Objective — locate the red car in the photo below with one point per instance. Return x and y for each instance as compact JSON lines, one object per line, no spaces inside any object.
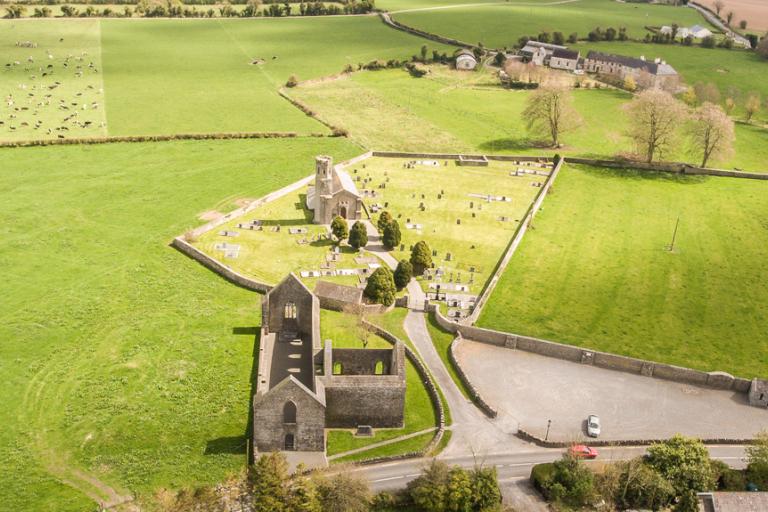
{"x":581,"y":451}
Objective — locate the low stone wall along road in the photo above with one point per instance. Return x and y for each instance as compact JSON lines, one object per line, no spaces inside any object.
{"x":533,"y":389}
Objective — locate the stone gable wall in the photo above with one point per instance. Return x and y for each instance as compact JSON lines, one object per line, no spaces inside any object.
{"x":269,"y":430}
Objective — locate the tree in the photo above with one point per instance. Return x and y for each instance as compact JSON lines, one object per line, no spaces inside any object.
{"x":707,"y":92}
{"x":549,"y":111}
{"x":344,"y":492}
{"x":630,"y":84}
{"x":573,"y":38}
{"x":689,"y":96}
{"x":729,"y":18}
{"x":293,"y":81}
{"x":269,"y":483}
{"x":421,"y":257}
{"x":743,"y":24}
{"x":403,"y":274}
{"x":429,"y":490}
{"x":558,"y":38}
{"x":339,"y":228}
{"x":762,"y":47}
{"x":485,"y":488}
{"x":384,"y":218}
{"x":719,"y":4}
{"x":424,"y":53}
{"x":752,"y":105}
{"x":633,"y":485}
{"x":685,"y":464}
{"x":303,"y":494}
{"x":610,"y":34}
{"x":570,"y":482}
{"x":44,"y":12}
{"x":358,"y":235}
{"x":654,"y":118}
{"x":380,"y":287}
{"x":391,"y":237}
{"x":251,"y":9}
{"x":708,"y":42}
{"x":711,"y":132}
{"x":757,"y":460}
{"x":730,"y":104}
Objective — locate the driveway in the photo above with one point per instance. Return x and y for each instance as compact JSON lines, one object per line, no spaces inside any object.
{"x":533,"y":389}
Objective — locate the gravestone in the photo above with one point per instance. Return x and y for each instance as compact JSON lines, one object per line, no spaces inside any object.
{"x":473,"y":215}
{"x":402,"y":247}
{"x":448,"y":257}
{"x":458,"y":221}
{"x":434,"y":252}
{"x":471,"y":204}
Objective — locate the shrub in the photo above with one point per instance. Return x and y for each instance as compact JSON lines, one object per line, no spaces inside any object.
{"x":708,"y":42}
{"x":391,"y":236}
{"x":541,"y":476}
{"x":384,"y":218}
{"x":403,"y":274}
{"x":293,"y":81}
{"x":380,"y":287}
{"x":358,"y":235}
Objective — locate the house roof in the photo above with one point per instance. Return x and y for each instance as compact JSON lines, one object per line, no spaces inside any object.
{"x":343,"y":181}
{"x":562,"y":53}
{"x":463,"y":52}
{"x":697,"y":28}
{"x":548,"y":46}
{"x":734,"y":501}
{"x":631,"y":62}
{"x":328,"y":290}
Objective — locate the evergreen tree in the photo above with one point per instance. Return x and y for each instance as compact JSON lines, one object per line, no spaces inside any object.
{"x":403,"y":274}
{"x":421,"y":257}
{"x":384,"y":218}
{"x":391,"y":237}
{"x":358,"y":235}
{"x":339,"y":228}
{"x":380,"y":287}
{"x":270,"y":483}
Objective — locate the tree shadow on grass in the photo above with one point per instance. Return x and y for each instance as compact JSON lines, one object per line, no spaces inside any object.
{"x":233,"y":445}
{"x":628,"y":173}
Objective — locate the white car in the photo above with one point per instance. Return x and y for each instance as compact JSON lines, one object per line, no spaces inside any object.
{"x":593,"y":425}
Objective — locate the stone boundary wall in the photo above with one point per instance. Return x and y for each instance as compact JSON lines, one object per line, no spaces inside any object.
{"x":714,"y":380}
{"x":160,"y":138}
{"x":455,"y":156}
{"x":477,"y":398}
{"x":531,"y":438}
{"x":387,"y":19}
{"x":670,"y":167}
{"x":426,"y":379}
{"x":219,"y":268}
{"x":308,"y":111}
{"x":522,"y":228}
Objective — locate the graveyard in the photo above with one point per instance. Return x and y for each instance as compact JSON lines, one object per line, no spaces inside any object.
{"x":466,"y":213}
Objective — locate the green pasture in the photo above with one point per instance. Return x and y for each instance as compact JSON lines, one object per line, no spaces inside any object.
{"x":121,"y":358}
{"x":596,"y":270}
{"x":501,"y":24}
{"x":56,"y":89}
{"x":455,"y":111}
{"x":419,"y":413}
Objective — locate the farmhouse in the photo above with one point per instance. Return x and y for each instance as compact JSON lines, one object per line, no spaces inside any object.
{"x":539,"y":53}
{"x":334,"y":193}
{"x":647,"y":74}
{"x":700,"y":32}
{"x":465,"y":60}
{"x":696,"y":31}
{"x":303,"y":388}
{"x":564,"y":59}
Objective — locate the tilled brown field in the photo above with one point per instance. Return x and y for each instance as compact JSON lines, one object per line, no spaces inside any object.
{"x":754,"y":11}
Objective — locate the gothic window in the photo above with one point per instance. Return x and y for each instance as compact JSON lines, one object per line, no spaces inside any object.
{"x":379,"y":369}
{"x":289,"y":412}
{"x":290,"y":310}
{"x":337,"y":369}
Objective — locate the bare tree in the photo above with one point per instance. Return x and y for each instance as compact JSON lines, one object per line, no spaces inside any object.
{"x":719,"y":4}
{"x":729,"y":18}
{"x":752,"y":105}
{"x":549,"y":111}
{"x":730,"y":104}
{"x":655,"y":117}
{"x":711,"y":132}
{"x":707,"y":93}
{"x":515,"y":69}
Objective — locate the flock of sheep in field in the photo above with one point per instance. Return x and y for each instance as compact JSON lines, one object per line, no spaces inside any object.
{"x":50,"y":96}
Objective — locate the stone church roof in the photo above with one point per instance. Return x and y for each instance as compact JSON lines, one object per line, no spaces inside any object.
{"x":343,"y":181}
{"x":326,"y":289}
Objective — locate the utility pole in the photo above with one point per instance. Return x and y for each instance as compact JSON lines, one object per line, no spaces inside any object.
{"x":674,"y":235}
{"x":549,"y":424}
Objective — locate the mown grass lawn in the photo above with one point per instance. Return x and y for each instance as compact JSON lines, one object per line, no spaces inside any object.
{"x":419,"y":413}
{"x":501,"y":24}
{"x":596,"y":272}
{"x":119,"y":356}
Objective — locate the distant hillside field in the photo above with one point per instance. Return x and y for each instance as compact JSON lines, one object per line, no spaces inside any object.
{"x":500,"y":24}
{"x":596,"y":272}
{"x":754,"y":11}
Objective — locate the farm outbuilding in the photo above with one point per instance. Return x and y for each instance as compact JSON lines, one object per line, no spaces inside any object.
{"x":465,"y":60}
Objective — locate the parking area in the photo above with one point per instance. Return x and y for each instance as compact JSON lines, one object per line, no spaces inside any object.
{"x":533,"y":389}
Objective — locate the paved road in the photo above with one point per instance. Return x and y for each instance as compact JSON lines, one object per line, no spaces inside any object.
{"x":395,"y":475}
{"x":534,"y":388}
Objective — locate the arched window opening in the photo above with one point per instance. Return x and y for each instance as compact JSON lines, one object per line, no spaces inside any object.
{"x":289,"y":412}
{"x":379,"y":369}
{"x":290,"y":444}
{"x":290,"y":310}
{"x":337,"y":369}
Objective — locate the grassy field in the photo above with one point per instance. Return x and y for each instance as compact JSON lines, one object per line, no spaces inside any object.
{"x":419,"y":413}
{"x":454,"y":112}
{"x":595,"y":271}
{"x":500,"y":24}
{"x":56,"y":89}
{"x":119,"y":356}
{"x":184,"y":76}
